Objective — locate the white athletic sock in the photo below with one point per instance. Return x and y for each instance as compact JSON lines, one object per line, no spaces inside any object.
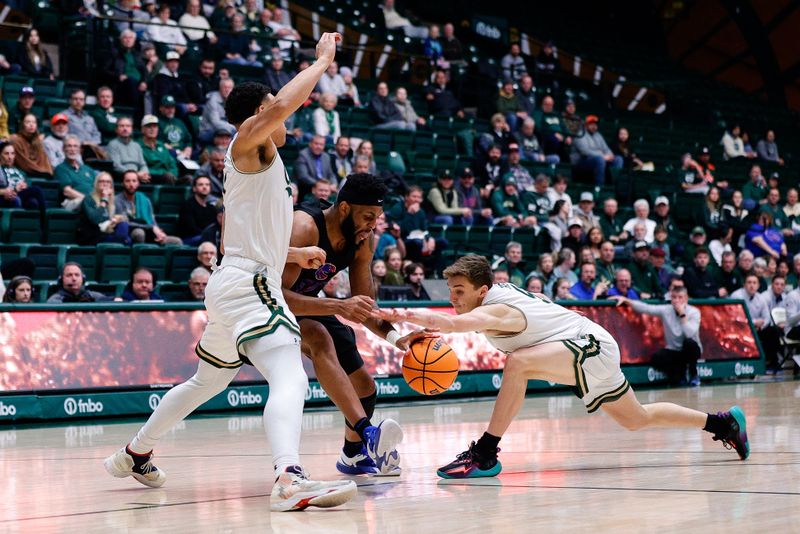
{"x":179,"y":402}
{"x":283,"y":415}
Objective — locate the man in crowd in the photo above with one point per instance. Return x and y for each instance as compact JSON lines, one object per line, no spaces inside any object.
{"x":313,"y":164}
{"x":384,"y":112}
{"x":341,"y":158}
{"x":172,"y":131}
{"x":81,"y":123}
{"x":700,"y":281}
{"x":585,"y":288}
{"x":157,"y":158}
{"x":591,"y":153}
{"x":611,"y":225}
{"x":643,"y":274}
{"x":138,"y":209}
{"x":206,"y":252}
{"x":214,"y":118}
{"x":75,"y":179}
{"x":622,"y":285}
{"x":198,"y":211}
{"x":606,"y":268}
{"x":71,"y":288}
{"x":125,"y":153}
{"x":441,"y":100}
{"x":198,"y":280}
{"x":54,"y":143}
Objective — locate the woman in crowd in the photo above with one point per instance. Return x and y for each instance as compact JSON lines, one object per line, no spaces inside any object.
{"x":544,"y":271}
{"x":98,"y":222}
{"x":378,"y":269}
{"x":326,"y":118}
{"x":365,"y":149}
{"x":4,"y":133}
{"x":534,"y":284}
{"x":14,"y":189}
{"x":713,"y":219}
{"x":764,"y":239}
{"x":736,"y":216}
{"x":394,"y":267}
{"x":33,"y":58}
{"x":562,"y":290}
{"x":594,"y":238}
{"x":31,"y":156}
{"x":19,"y":290}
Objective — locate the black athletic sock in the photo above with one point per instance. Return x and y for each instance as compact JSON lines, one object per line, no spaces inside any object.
{"x":360,"y":426}
{"x":717,"y":425}
{"x":351,"y":448}
{"x":487,"y":445}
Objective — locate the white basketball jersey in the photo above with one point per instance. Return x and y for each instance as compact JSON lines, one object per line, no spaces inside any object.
{"x":544,"y":320}
{"x":258,"y":212}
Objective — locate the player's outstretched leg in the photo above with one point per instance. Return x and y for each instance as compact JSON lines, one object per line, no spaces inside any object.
{"x":368,"y":449}
{"x":136,"y":459}
{"x":729,"y":427}
{"x":548,"y":361}
{"x":283,"y":418}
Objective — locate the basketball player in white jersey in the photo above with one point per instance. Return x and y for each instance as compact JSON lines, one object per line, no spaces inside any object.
{"x":545,"y":341}
{"x":248,"y":321}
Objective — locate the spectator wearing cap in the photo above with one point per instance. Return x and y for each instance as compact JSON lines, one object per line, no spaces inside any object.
{"x":469,"y":196}
{"x":529,"y":144}
{"x":611,"y":224}
{"x":384,"y":112}
{"x":168,"y":82}
{"x":442,"y":102}
{"x":733,"y":145}
{"x":662,"y":217}
{"x":764,"y":238}
{"x":508,"y":105}
{"x":756,"y":189}
{"x":591,"y":153}
{"x":74,"y":177}
{"x":163,"y":30}
{"x":641,"y":210}
{"x":767,"y":149}
{"x":779,"y":218}
{"x":444,"y":200}
{"x":214,"y":118}
{"x":658,"y":258}
{"x":160,"y":162}
{"x":27,"y":97}
{"x":622,"y":285}
{"x":554,"y":135}
{"x":693,"y":177}
{"x":172,"y":131}
{"x":697,"y":239}
{"x":513,"y":64}
{"x":574,"y":239}
{"x":708,"y":168}
{"x":586,"y":288}
{"x":584,"y":212}
{"x":125,"y":153}
{"x":138,"y":210}
{"x":572,"y":121}
{"x":54,"y":143}
{"x":31,"y":156}
{"x":643,"y":274}
{"x":507,"y":206}
{"x":520,"y":173}
{"x":104,"y":114}
{"x":81,"y":123}
{"x":700,"y":280}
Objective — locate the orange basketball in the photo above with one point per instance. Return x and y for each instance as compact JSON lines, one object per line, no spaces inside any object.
{"x":430,"y":366}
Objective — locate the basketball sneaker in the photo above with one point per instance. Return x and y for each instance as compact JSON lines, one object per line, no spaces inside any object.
{"x":125,"y":463}
{"x":736,"y":438}
{"x":472,"y":464}
{"x":362,"y":464}
{"x":381,"y":444}
{"x":294,"y":491}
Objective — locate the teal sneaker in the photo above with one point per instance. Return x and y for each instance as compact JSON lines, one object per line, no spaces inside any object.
{"x":471,"y":464}
{"x":736,"y":438}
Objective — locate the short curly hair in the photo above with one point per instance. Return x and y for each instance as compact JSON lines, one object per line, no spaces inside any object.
{"x":362,"y":186}
{"x":244,"y":100}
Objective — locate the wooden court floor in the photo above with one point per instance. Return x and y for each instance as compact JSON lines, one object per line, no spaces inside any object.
{"x":563,"y":470}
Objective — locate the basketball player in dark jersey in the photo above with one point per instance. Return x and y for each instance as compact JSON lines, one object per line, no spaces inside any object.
{"x":344,"y":231}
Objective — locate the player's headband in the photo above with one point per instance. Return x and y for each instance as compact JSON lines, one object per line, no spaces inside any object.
{"x":361,"y":198}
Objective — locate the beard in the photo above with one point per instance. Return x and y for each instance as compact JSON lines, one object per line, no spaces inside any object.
{"x":349,"y":231}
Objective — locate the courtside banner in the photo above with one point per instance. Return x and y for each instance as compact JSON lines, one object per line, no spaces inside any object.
{"x":105,"y":346}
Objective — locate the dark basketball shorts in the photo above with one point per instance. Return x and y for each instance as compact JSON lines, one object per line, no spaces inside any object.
{"x":344,"y":341}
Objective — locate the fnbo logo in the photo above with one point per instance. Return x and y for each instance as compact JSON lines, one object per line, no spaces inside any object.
{"x":7,"y":410}
{"x":153,"y":401}
{"x":497,"y":381}
{"x":72,"y":406}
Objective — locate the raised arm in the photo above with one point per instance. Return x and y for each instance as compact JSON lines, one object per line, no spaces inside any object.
{"x":254,"y":131}
{"x":494,"y":317}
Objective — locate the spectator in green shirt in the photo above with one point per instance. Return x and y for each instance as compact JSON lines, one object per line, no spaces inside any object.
{"x":104,"y":115}
{"x":779,"y":218}
{"x":551,"y":126}
{"x":611,"y":225}
{"x":172,"y":130}
{"x":75,"y":178}
{"x":643,"y":274}
{"x":508,"y":207}
{"x":162,"y":165}
{"x":755,"y":191}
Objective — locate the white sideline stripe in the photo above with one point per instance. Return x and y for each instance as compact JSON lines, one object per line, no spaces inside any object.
{"x":637,"y":99}
{"x":362,"y":40}
{"x":315,"y":25}
{"x":382,"y":60}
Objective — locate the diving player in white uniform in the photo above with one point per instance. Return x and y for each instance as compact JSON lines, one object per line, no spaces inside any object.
{"x":545,"y":341}
{"x":248,"y":321}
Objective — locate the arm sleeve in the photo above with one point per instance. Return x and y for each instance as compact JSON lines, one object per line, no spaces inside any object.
{"x":497,"y":205}
{"x":438,"y":203}
{"x":116,"y":157}
{"x":651,"y":309}
{"x":320,"y":124}
{"x":692,"y":325}
{"x":302,"y":172}
{"x":761,"y":148}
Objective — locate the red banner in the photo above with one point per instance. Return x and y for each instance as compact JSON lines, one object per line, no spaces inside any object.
{"x":50,"y":350}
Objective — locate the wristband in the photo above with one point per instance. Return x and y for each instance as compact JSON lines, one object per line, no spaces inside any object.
{"x":392,"y":337}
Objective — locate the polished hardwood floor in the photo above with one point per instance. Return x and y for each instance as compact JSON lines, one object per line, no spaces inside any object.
{"x":563,"y":470}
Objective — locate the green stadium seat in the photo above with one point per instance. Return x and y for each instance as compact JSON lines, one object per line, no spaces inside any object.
{"x":527,"y":238}
{"x":446,"y":146}
{"x":46,"y":89}
{"x":395,"y":163}
{"x":110,"y":289}
{"x":457,"y":236}
{"x":62,"y":226}
{"x":11,"y":87}
{"x":168,"y":222}
{"x":173,"y":292}
{"x":499,"y":238}
{"x":171,"y":198}
{"x":403,"y":141}
{"x":114,"y":262}
{"x":479,"y":238}
{"x":50,"y":188}
{"x":48,"y":260}
{"x":153,"y":257}
{"x":23,"y":226}
{"x":55,"y":105}
{"x":86,"y":257}
{"x":437,"y":230}
{"x":43,"y":290}
{"x":182,"y":260}
{"x":9,"y":252}
{"x":424,"y":142}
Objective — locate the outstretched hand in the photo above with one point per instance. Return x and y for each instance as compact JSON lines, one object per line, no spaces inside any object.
{"x":309,"y":257}
{"x":391,"y":315}
{"x":405,"y":342}
{"x":326,"y":47}
{"x":621,"y":301}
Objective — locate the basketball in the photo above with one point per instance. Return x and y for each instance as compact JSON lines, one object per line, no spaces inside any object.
{"x":430,"y":366}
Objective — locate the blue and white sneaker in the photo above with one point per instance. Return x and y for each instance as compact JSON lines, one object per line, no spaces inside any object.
{"x":362,"y":464}
{"x":381,"y":445}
